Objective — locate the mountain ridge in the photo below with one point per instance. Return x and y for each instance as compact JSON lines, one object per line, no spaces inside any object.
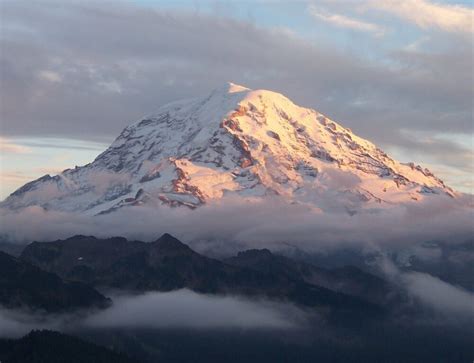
{"x":25,"y":286}
{"x":167,"y":264}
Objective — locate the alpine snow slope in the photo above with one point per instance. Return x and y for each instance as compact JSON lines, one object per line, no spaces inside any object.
{"x":238,"y":142}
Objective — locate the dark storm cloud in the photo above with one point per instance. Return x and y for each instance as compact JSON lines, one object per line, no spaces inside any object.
{"x":83,"y":69}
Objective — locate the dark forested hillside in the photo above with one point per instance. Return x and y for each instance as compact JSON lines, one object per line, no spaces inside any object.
{"x":168,"y":264}
{"x":23,"y":285}
{"x":53,"y":347}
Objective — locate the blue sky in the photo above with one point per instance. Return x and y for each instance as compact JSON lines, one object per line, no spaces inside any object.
{"x":75,"y":73}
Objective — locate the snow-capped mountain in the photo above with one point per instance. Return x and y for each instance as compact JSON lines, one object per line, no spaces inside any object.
{"x":237,"y":142}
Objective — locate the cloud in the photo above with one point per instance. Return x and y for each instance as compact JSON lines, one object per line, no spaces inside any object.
{"x":9,"y":147}
{"x":440,"y":295}
{"x":16,"y":323}
{"x":23,"y":159}
{"x":50,"y":76}
{"x":59,"y":143}
{"x":11,"y":328}
{"x":176,"y":309}
{"x":155,"y":69}
{"x":339,"y":179}
{"x":15,"y":177}
{"x":451,"y":159}
{"x":427,"y":14}
{"x":448,"y":301}
{"x":346,"y":22}
{"x":187,"y":309}
{"x":142,"y":58}
{"x":230,"y":226}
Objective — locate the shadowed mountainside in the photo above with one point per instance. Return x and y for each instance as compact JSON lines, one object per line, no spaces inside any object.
{"x":23,"y":285}
{"x":167,"y":264}
{"x":53,"y":347}
{"x":349,"y":279}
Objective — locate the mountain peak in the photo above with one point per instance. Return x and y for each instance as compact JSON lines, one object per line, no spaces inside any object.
{"x":237,"y":141}
{"x":234,"y":88}
{"x":169,"y":243}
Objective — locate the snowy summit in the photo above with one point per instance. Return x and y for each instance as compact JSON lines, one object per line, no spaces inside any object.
{"x":235,"y":141}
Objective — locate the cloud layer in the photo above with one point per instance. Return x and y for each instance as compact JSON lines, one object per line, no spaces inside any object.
{"x":428,"y":14}
{"x":231,"y":225}
{"x":445,"y":300}
{"x":184,"y":308}
{"x":56,"y":81}
{"x":156,"y":310}
{"x":441,"y":296}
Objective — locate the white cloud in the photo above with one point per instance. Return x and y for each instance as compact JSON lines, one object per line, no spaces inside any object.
{"x":230,"y":226}
{"x":50,"y":76}
{"x":427,"y":14}
{"x":438,"y":294}
{"x":112,"y":86}
{"x":185,"y":308}
{"x":175,"y":309}
{"x":446,"y":299}
{"x":343,"y":21}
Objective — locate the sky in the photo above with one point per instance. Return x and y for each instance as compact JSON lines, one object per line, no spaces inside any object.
{"x":74,"y":73}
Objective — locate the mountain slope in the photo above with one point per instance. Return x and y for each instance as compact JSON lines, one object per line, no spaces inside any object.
{"x":26,"y":286}
{"x":349,"y":279}
{"x":53,"y":347}
{"x":235,"y":141}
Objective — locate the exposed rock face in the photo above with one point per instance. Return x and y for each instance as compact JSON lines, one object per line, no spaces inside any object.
{"x":234,"y":141}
